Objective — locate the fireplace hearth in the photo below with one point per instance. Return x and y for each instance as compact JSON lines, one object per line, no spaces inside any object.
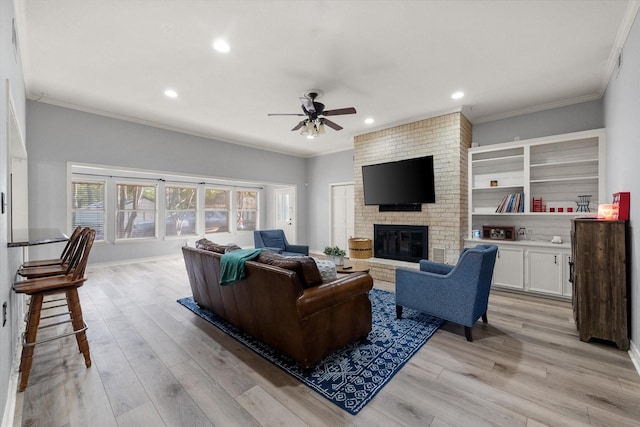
{"x":401,"y":242}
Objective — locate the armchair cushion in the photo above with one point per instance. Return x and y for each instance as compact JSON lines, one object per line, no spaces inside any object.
{"x":276,"y":241}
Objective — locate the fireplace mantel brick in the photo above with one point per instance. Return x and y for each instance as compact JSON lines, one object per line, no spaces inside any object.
{"x":447,"y":138}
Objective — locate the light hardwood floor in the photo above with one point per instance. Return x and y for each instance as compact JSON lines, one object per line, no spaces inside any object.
{"x":155,"y":363}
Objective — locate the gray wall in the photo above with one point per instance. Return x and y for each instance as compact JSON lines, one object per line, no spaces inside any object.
{"x":572,"y":118}
{"x":57,"y":135}
{"x":322,"y":171}
{"x":622,"y":120}
{"x":10,"y":258}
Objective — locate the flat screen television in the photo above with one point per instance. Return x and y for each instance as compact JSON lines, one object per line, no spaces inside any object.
{"x":405,"y":182}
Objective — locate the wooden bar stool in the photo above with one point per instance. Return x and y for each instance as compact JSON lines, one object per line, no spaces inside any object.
{"x":41,"y":287}
{"x":72,"y":256}
{"x":64,"y":256}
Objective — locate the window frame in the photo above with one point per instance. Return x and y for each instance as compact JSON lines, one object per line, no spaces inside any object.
{"x":82,"y":180}
{"x":116,"y":210}
{"x":166,"y":211}
{"x":229,"y":211}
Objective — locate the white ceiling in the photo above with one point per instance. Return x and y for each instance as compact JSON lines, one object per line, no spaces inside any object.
{"x":395,"y":61}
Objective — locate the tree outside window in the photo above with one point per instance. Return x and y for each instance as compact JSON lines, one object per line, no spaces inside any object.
{"x":247,"y":210}
{"x":135,"y":211}
{"x":180,"y":211}
{"x":216,"y":210}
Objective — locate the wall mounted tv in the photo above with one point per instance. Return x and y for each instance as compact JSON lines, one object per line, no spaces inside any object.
{"x":401,"y":185}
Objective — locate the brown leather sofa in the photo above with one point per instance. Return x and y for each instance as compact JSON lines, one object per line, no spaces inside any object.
{"x":305,"y":323}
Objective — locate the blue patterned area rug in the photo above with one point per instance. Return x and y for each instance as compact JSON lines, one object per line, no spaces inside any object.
{"x":352,"y":376}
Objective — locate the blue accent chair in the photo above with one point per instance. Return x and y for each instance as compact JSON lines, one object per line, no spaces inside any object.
{"x":457,"y":293}
{"x":276,"y":241}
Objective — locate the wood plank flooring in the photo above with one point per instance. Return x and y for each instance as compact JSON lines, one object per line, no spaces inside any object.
{"x":155,"y":363}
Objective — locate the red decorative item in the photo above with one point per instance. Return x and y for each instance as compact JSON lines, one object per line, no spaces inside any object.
{"x":536,"y":205}
{"x":621,"y":201}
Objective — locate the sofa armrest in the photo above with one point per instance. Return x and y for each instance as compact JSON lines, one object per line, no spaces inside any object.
{"x":302,"y":249}
{"x":321,"y":297}
{"x":435,"y":267}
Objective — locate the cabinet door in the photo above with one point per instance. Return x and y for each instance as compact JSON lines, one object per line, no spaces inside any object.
{"x":567,"y":286}
{"x":544,"y":271}
{"x":508,"y":271}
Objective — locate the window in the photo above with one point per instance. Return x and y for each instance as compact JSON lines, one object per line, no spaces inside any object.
{"x":87,"y":205}
{"x":246,"y":210}
{"x":180,"y":211}
{"x":135,"y":211}
{"x":216,"y":210}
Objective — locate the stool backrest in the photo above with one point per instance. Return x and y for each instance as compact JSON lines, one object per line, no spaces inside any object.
{"x":80,"y":253}
{"x":71,"y":244}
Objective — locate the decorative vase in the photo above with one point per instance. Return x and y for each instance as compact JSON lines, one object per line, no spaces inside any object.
{"x":337,"y":260}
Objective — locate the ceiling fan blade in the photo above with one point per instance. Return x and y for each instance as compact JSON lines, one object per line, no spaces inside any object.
{"x":308,"y":104}
{"x":331,"y":124}
{"x":339,"y":111}
{"x":285,"y":114}
{"x":299,"y":125}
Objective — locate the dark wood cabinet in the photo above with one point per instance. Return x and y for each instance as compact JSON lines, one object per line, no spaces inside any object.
{"x":600,"y":281}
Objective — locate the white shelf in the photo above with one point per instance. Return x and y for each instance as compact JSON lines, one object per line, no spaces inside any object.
{"x":565,"y":163}
{"x":573,"y":178}
{"x":506,"y":159}
{"x":502,"y":187}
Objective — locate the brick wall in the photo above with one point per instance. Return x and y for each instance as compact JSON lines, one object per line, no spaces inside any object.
{"x":447,"y":138}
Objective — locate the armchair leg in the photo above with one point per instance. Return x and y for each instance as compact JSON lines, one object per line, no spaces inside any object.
{"x":467,"y":334}
{"x":484,"y":317}
{"x":398,"y":312}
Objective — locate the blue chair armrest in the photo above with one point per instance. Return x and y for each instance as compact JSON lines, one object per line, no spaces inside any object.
{"x":435,"y":267}
{"x":302,"y":249}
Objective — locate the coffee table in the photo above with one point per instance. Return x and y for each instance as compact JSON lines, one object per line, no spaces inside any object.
{"x":355,"y":268}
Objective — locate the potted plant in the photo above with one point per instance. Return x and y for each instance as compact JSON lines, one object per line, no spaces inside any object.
{"x":335,"y":254}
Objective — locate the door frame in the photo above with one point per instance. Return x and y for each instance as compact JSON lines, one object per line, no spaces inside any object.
{"x":292,"y":190}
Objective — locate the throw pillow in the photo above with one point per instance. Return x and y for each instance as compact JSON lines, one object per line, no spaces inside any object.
{"x":278,"y":260}
{"x":208,"y":245}
{"x":327,"y":270}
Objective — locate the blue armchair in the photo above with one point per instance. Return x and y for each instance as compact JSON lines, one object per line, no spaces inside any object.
{"x":457,"y":293}
{"x":276,"y":241}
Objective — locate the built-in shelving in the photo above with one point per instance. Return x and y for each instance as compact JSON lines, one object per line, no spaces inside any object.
{"x":556,"y":169}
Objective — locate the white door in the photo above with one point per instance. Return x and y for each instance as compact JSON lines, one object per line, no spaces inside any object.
{"x":544,"y":271}
{"x":342,"y":215}
{"x":509,"y":268}
{"x":285,"y":204}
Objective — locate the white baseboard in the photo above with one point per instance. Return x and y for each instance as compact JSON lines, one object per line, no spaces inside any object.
{"x":634,"y":353}
{"x":12,"y":389}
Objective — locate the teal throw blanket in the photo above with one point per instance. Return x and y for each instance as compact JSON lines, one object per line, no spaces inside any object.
{"x":232,"y":265}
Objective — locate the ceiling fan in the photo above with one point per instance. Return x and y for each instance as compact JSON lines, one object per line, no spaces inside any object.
{"x":314,"y":124}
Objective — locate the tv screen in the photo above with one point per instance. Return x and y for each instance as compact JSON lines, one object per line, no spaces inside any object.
{"x":399,"y":183}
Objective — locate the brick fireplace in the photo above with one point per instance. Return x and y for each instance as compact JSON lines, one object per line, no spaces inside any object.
{"x":447,"y":138}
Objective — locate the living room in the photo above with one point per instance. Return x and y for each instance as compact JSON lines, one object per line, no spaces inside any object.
{"x":57,"y":135}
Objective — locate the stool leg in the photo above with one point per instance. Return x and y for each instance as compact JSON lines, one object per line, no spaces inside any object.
{"x":73,"y":302}
{"x":33,"y":321}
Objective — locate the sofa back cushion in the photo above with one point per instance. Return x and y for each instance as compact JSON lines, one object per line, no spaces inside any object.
{"x":304,"y":267}
{"x":208,"y":245}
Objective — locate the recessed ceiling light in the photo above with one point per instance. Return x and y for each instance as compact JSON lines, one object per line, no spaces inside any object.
{"x":368,"y":120}
{"x":221,"y":46}
{"x":171,"y":93}
{"x":457,"y":95}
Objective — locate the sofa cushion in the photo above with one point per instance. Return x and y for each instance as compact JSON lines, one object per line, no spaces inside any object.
{"x":304,"y":267}
{"x":208,"y":245}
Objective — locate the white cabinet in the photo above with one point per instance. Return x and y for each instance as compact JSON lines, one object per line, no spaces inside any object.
{"x":544,"y":271}
{"x":509,"y":267}
{"x":540,"y":268}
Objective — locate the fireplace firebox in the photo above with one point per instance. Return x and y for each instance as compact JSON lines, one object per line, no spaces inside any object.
{"x":401,"y":242}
